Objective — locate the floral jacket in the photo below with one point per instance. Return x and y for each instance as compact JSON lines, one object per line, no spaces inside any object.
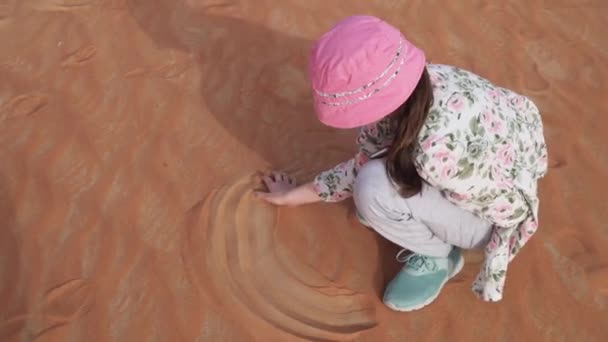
{"x":483,"y":147}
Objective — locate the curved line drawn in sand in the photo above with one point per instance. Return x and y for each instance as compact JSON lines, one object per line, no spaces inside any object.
{"x":23,"y":105}
{"x":232,"y":237}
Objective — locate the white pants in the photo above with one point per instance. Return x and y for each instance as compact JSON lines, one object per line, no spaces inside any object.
{"x":426,"y":223}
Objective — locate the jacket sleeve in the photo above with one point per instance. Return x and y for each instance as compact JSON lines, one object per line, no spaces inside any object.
{"x":336,"y":184}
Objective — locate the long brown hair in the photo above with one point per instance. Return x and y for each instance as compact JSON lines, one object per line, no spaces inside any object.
{"x":408,"y":120}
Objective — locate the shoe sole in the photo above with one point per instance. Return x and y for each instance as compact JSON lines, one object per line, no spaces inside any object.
{"x":456,"y":270}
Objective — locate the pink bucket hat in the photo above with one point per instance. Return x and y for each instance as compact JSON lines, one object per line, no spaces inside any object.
{"x":362,"y":70}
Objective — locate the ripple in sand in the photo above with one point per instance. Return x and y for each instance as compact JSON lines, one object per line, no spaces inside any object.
{"x":61,"y":5}
{"x":231,"y":245}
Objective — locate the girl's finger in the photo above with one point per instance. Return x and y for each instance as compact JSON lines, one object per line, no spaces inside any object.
{"x":277,"y":176}
{"x":268,"y":181}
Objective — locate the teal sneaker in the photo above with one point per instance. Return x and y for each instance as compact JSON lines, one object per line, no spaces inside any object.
{"x":420,"y":280}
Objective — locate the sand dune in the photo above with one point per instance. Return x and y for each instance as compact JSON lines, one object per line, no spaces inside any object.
{"x":130,"y":131}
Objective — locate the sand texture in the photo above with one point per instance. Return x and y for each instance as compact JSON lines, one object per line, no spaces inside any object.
{"x":131,"y":131}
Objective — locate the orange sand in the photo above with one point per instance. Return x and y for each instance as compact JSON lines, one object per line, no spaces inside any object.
{"x":129,"y":130}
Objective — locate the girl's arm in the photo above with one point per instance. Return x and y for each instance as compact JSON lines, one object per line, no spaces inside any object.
{"x":282,"y":191}
{"x":335,"y":184}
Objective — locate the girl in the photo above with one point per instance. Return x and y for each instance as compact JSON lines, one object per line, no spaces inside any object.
{"x":446,"y":159}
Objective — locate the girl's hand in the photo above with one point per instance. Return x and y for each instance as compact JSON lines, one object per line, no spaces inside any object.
{"x":279,"y":185}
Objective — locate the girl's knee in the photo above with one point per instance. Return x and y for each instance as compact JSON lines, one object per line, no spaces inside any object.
{"x":371,"y":185}
{"x":369,"y":178}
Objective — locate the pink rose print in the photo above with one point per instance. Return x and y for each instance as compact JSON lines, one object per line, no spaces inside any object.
{"x":525,"y":235}
{"x":493,"y":94}
{"x":532,"y":226}
{"x":492,"y":123}
{"x":502,"y":209}
{"x":486,"y":117}
{"x":361,"y":159}
{"x":512,"y":241}
{"x":443,"y":156}
{"x":445,"y":163}
{"x":495,"y":127}
{"x":492,"y":244}
{"x":459,"y":197}
{"x":503,"y":183}
{"x":527,"y":230}
{"x":505,"y":155}
{"x":518,"y":102}
{"x":428,"y":142}
{"x":456,"y":102}
{"x":448,"y":171}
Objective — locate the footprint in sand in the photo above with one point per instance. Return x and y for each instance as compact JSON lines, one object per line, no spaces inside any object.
{"x":60,"y":305}
{"x":80,"y":56}
{"x":136,"y":72}
{"x":69,"y":299}
{"x":167,"y":71}
{"x":23,"y":105}
{"x":534,"y":80}
{"x":580,"y":269}
{"x":230,"y":246}
{"x":63,"y":304}
{"x":173,"y":69}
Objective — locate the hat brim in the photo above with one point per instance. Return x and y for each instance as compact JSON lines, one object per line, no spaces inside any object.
{"x":379,"y":105}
